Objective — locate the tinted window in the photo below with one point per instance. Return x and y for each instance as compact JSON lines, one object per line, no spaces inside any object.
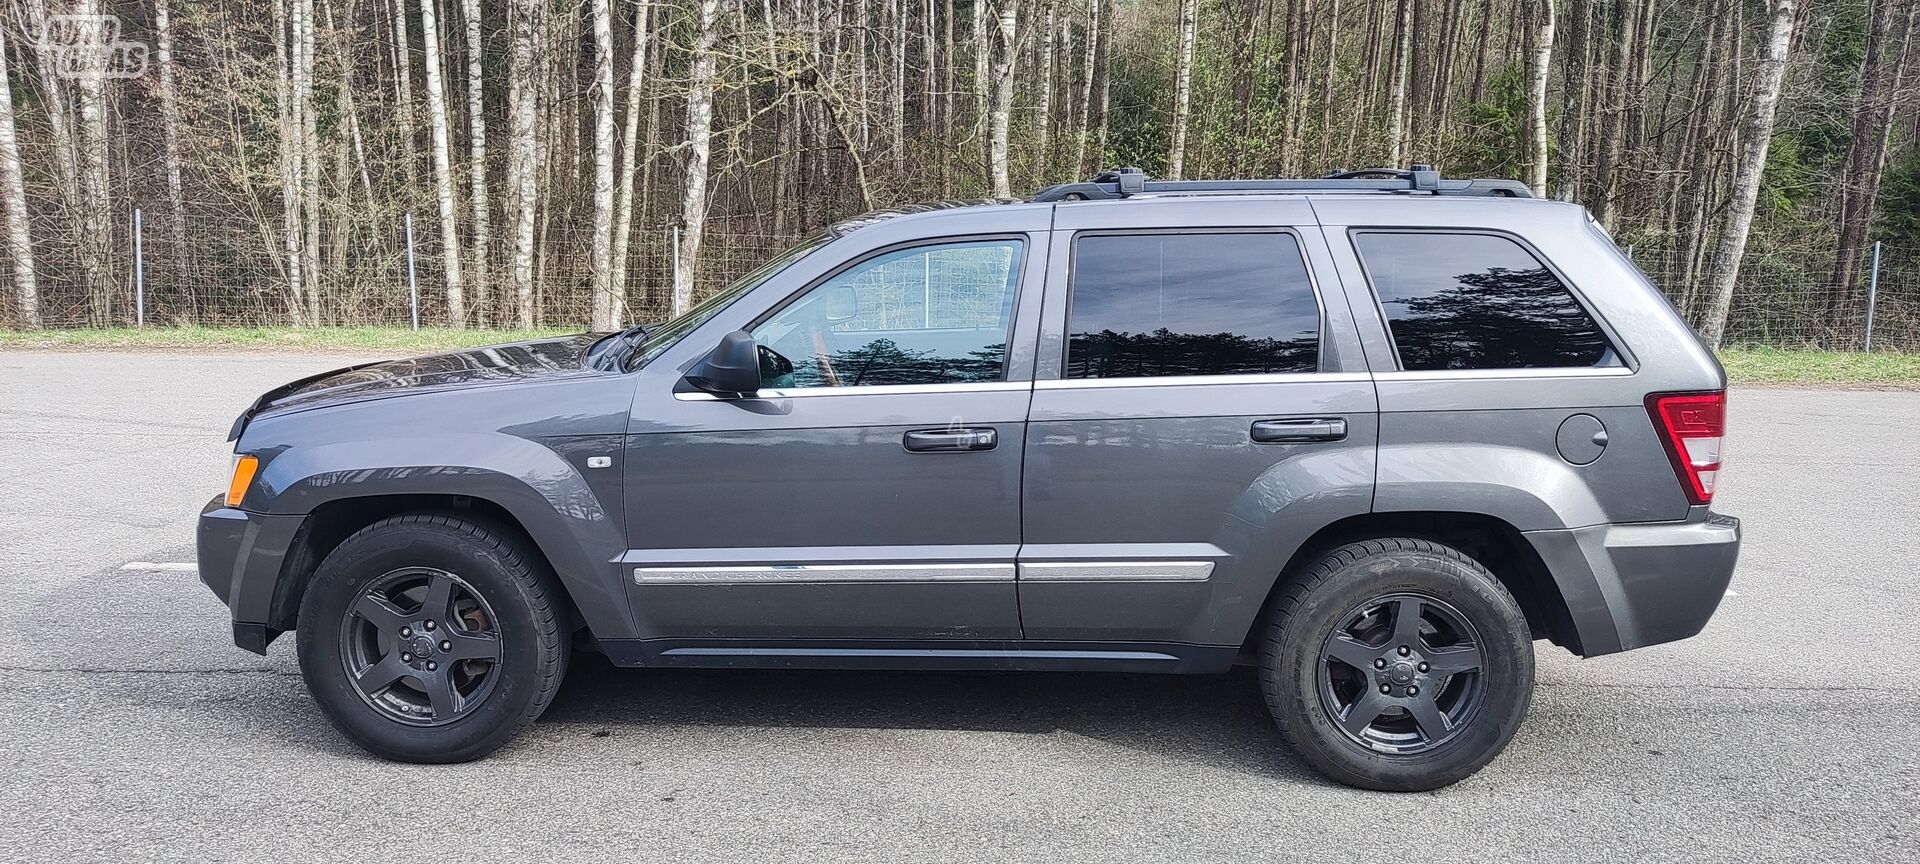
{"x":927,"y":315}
{"x":1149,"y":305}
{"x":1477,"y":301}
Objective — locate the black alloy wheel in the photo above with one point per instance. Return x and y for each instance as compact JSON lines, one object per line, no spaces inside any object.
{"x":1401,"y":673}
{"x":421,"y":646}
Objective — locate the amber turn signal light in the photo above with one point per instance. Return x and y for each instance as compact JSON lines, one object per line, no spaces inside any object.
{"x":243,"y":471}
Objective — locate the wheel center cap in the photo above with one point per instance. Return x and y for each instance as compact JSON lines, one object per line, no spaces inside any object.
{"x":422,"y":648}
{"x":1401,"y":672}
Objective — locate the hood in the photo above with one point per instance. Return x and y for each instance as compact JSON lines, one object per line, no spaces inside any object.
{"x":496,"y":364}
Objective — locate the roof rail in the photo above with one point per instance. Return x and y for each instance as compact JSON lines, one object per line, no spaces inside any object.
{"x":1420,"y":179}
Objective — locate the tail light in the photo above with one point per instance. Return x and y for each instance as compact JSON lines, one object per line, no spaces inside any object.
{"x":1691,"y":425}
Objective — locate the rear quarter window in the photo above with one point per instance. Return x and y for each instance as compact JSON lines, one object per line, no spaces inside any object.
{"x":1477,"y":301}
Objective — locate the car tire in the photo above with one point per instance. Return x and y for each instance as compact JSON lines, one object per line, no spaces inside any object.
{"x":459,"y":612}
{"x":1371,"y":706}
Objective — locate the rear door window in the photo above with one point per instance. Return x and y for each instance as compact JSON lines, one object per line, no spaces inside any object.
{"x":1153,"y":305}
{"x":1477,"y":301}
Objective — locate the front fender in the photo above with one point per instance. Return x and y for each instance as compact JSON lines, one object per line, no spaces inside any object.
{"x":538,"y":484}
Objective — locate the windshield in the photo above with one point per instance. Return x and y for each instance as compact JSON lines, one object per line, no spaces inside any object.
{"x":663,"y":337}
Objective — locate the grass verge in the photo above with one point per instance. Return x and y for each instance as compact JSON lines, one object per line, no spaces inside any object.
{"x":1747,"y":367}
{"x":1777,"y":367}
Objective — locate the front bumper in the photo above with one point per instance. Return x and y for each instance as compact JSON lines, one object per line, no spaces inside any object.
{"x":241,"y":556}
{"x":1633,"y":585}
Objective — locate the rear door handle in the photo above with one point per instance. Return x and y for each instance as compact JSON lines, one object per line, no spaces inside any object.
{"x":951,"y":440}
{"x":1299,"y":431}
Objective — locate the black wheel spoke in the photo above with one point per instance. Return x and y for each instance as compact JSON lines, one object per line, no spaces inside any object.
{"x":1426,"y":712}
{"x":1406,"y":621}
{"x":446,"y":700}
{"x":380,"y":612}
{"x":1352,"y":652}
{"x":1454,"y":660}
{"x":1364,"y":711}
{"x":474,"y":646}
{"x":438,"y":604}
{"x":375,"y":679}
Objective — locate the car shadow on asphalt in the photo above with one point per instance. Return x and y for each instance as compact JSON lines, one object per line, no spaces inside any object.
{"x":1217,"y":720}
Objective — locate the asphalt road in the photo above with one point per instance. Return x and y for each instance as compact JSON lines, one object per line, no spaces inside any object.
{"x":130,"y":728}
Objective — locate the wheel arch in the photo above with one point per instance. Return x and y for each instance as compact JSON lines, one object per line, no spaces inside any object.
{"x":331,"y":522}
{"x":1494,"y":542}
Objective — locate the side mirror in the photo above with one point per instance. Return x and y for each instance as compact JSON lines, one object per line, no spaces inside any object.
{"x":732,"y":368}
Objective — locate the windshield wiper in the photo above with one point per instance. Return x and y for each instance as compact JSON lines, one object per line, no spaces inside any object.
{"x":613,"y":349}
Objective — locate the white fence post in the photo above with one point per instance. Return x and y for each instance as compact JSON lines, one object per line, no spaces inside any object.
{"x":139,"y":273}
{"x":413,"y":288}
{"x":1873,"y":293}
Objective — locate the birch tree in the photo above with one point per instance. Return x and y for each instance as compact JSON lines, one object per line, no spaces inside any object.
{"x":403,"y":96}
{"x":96,"y":219}
{"x":477,"y":161}
{"x":1537,"y":99}
{"x":522,"y":151}
{"x":605,"y":307}
{"x":1182,"y":89}
{"x":630,"y":146}
{"x":1397,"y":98}
{"x":693,"y":213}
{"x":1781,"y":19}
{"x":1003,"y":62}
{"x":13,"y":190}
{"x":170,"y":135}
{"x":443,"y":185}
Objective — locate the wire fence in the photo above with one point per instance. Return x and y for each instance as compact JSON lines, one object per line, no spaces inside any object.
{"x":223,"y":272}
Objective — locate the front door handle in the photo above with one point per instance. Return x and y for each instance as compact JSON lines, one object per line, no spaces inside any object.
{"x":1299,"y":431}
{"x":951,"y":440}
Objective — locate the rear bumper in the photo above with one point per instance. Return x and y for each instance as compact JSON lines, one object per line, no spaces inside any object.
{"x":241,"y":555}
{"x":1634,"y":585}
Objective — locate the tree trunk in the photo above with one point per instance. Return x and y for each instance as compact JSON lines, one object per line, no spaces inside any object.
{"x":1044,"y":127}
{"x":523,"y":16}
{"x":1537,"y":99}
{"x":477,"y":164}
{"x":699,"y":130}
{"x":309,"y":162}
{"x":403,"y":96}
{"x":1397,"y":97}
{"x":96,"y":215}
{"x":1003,"y":98}
{"x":630,"y":154}
{"x":605,"y":307}
{"x":170,"y":133}
{"x":1746,"y":178}
{"x":1182,"y":89}
{"x":1094,"y":38}
{"x":443,"y":185}
{"x":14,"y":192}
{"x":1860,"y":175}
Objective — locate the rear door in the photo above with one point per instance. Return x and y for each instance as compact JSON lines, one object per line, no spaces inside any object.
{"x":1201,"y":407}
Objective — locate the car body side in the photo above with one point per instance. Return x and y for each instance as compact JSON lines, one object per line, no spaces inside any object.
{"x":1606,"y":556}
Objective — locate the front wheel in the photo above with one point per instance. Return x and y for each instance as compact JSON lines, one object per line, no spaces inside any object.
{"x":1397,"y":664}
{"x":432,"y":638}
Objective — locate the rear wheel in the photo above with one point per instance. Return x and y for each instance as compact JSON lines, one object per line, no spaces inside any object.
{"x":432,"y":638}
{"x":1397,"y":664}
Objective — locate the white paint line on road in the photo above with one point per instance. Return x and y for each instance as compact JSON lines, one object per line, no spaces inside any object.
{"x":1732,"y":593}
{"x":166,"y":567}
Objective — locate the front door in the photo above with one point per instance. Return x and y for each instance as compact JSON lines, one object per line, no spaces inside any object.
{"x":1202,"y":408}
{"x":871,"y":491}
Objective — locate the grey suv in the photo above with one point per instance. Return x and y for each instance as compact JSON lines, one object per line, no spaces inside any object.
{"x":1375,"y":433}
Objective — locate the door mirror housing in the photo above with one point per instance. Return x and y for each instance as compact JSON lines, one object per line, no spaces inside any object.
{"x":731,"y":369}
